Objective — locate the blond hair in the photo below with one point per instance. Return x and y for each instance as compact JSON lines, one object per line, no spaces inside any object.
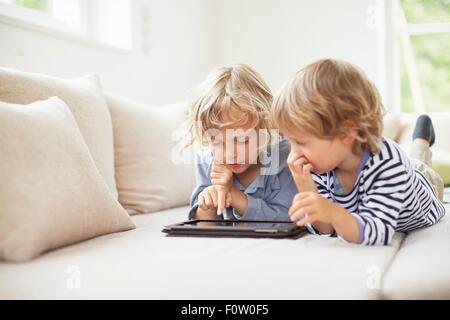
{"x":325,"y":97}
{"x":237,"y":93}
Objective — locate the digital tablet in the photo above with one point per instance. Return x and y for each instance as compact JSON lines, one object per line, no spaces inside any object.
{"x":235,"y":228}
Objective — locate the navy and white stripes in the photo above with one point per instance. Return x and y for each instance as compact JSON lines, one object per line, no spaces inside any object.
{"x":389,"y":195}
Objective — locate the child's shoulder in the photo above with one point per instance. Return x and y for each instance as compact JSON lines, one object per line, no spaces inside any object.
{"x":391,"y":161}
{"x":391,"y":155}
{"x":274,"y":158}
{"x":390,"y":151}
{"x":204,"y":157}
{"x":285,"y":147}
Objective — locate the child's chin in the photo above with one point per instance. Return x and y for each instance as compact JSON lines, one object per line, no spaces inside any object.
{"x":318,"y":171}
{"x":238,"y":169}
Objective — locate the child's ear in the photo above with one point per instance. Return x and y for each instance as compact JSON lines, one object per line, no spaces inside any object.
{"x":349,"y":132}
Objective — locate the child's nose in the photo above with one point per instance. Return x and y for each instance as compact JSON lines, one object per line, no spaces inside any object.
{"x":229,"y":158}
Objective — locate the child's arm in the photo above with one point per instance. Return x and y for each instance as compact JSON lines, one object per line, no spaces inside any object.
{"x":246,"y":206}
{"x":211,"y":195}
{"x":322,"y":227}
{"x":296,"y":163}
{"x":273,"y":207}
{"x":385,"y":196}
{"x":203,"y":181}
{"x":378,"y":211}
{"x":325,"y":215}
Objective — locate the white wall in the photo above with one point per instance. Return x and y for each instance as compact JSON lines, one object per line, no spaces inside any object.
{"x":279,"y":37}
{"x":181,"y":51}
{"x":187,"y":38}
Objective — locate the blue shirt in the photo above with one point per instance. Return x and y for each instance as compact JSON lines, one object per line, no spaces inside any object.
{"x":269,"y":196}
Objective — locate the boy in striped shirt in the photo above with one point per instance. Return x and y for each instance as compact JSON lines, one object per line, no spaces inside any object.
{"x":352,"y":182}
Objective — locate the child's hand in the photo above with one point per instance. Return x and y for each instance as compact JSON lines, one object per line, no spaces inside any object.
{"x":222,"y":177}
{"x":310,"y":207}
{"x":301,"y":172}
{"x":214,"y":199}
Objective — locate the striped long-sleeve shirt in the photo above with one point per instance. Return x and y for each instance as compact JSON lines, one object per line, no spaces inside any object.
{"x":389,"y":195}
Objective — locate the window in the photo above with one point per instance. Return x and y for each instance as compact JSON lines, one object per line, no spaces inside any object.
{"x":106,"y":21}
{"x":424,"y":50}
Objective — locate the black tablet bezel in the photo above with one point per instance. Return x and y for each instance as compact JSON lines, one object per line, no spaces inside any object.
{"x":185,"y":228}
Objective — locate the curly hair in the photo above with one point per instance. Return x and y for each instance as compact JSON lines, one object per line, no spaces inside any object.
{"x":327,"y":97}
{"x":232,"y":95}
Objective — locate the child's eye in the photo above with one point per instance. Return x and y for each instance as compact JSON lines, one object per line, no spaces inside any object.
{"x":300,"y":143}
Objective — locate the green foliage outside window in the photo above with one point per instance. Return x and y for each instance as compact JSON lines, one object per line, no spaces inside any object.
{"x":431,"y":56}
{"x":42,"y":5}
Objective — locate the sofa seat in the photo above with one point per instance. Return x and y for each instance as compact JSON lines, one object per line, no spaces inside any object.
{"x":421,"y":268}
{"x":145,"y":264}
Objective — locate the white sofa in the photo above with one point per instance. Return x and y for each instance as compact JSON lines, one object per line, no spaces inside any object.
{"x":145,"y":264}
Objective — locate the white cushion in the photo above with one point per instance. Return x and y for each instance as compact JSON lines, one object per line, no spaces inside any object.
{"x":421,"y":268}
{"x":85,"y":99}
{"x":51,"y":192}
{"x":147,"y":152}
{"x":392,"y":126}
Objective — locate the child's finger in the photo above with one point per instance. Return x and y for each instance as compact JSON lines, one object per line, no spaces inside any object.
{"x":228,"y":199}
{"x":214,"y":168}
{"x":218,"y":168}
{"x":207,"y":200}
{"x":301,"y":196}
{"x":221,"y":181}
{"x":213,"y":195}
{"x":221,"y":194}
{"x":216,"y":175}
{"x":308,"y":178}
{"x":297,"y":172}
{"x":301,"y":213}
{"x":201,"y":202}
{"x":299,"y":180}
{"x":292,"y":157}
{"x":309,"y":218}
{"x":300,"y":163}
{"x":299,"y":204}
{"x":299,"y":183}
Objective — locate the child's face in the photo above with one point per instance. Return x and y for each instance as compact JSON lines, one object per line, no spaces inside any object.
{"x":324,"y":155}
{"x":237,"y":148}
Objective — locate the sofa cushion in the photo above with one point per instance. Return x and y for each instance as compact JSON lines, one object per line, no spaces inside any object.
{"x":84,"y":98}
{"x":421,"y":267}
{"x":150,"y":172}
{"x":145,"y":264}
{"x":392,"y":126}
{"x":51,"y":192}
